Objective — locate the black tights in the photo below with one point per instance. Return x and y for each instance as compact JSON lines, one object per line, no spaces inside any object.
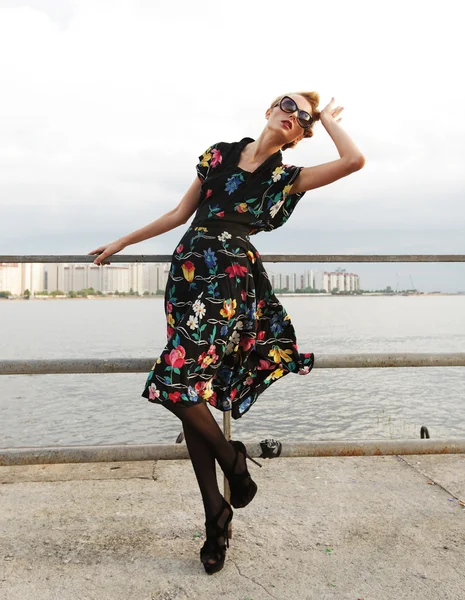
{"x":206,"y":442}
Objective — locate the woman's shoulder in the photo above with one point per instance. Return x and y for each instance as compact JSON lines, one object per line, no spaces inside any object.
{"x":221,"y":153}
{"x":224,"y":146}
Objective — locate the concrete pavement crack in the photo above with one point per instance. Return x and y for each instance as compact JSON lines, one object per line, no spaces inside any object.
{"x":430,"y":478}
{"x":253,"y":581}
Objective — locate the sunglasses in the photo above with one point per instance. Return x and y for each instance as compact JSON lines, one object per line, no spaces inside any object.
{"x":287,"y":105}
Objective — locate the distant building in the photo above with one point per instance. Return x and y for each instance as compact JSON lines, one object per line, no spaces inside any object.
{"x":16,"y":278}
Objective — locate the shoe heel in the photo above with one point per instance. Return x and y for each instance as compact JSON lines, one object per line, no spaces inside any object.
{"x":253,"y":460}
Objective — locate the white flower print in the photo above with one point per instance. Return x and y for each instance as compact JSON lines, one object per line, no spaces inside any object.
{"x":235,"y":337}
{"x":229,"y":348}
{"x":193,"y":322}
{"x":199,"y":309}
{"x":274,"y":209}
{"x":153,"y":392}
{"x":224,"y":236}
{"x":276,"y":175}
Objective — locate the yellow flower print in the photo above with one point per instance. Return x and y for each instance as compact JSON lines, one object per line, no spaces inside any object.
{"x":251,"y":256}
{"x":207,"y":391}
{"x":200,"y":229}
{"x":276,"y":175}
{"x":277,"y":354}
{"x":287,"y":318}
{"x":277,"y":373}
{"x":286,"y":190}
{"x":171,"y":320}
{"x":229,"y":308}
{"x":188,"y":270}
{"x":206,"y":157}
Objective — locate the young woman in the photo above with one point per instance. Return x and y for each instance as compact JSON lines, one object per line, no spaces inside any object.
{"x":228,"y":336}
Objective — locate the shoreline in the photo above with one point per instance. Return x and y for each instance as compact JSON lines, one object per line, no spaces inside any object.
{"x":287,"y":295}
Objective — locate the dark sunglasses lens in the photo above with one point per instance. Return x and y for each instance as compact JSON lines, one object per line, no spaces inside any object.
{"x":304,"y":119}
{"x":288,"y":105}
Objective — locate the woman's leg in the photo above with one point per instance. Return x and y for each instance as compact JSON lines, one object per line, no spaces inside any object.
{"x":201,"y":432}
{"x":199,"y":418}
{"x":203,"y":462}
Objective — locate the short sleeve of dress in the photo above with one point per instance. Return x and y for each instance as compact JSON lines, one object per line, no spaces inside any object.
{"x":210,"y":159}
{"x":283,"y":203}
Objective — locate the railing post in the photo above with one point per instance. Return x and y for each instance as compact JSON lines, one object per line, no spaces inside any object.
{"x":227,"y":435}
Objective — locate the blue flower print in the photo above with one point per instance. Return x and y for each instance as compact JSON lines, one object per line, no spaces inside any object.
{"x":234,"y":182}
{"x":192,"y":394}
{"x":276,"y":324}
{"x":245,"y":405}
{"x":210,"y":258}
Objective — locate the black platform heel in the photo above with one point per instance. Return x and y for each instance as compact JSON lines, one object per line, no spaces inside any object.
{"x":211,"y":548}
{"x":243,"y":487}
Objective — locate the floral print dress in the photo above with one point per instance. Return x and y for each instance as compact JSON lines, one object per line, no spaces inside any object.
{"x":228,"y":336}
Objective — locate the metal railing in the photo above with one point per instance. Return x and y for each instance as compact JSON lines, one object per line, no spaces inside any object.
{"x":16,"y":456}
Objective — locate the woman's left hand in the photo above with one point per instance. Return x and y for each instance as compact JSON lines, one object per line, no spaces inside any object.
{"x":329,"y":112}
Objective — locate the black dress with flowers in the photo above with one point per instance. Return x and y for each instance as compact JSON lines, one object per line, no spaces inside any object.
{"x":228,"y":336}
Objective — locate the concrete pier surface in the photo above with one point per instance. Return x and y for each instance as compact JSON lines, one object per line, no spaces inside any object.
{"x":355,"y":528}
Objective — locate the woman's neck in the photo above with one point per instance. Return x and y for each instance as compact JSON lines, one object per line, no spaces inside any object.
{"x":263,"y":147}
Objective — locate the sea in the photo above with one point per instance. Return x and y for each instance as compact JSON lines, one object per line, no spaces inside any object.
{"x":326,"y":404}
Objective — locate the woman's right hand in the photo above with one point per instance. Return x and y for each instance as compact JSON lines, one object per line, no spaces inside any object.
{"x":330,"y":113}
{"x":106,"y":251}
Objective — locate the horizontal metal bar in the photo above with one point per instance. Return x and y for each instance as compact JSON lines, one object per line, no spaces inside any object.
{"x":141,"y":365}
{"x":114,"y":453}
{"x":313,"y":258}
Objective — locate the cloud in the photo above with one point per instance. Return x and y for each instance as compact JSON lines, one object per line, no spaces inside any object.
{"x":106,"y":106}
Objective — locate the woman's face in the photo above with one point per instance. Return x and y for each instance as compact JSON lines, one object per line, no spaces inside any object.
{"x":291,"y":130}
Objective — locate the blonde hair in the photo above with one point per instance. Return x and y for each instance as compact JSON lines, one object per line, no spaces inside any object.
{"x":314,"y":99}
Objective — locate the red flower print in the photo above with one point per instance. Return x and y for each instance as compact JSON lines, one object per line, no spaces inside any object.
{"x":205,"y":359}
{"x":217,"y":158}
{"x":236,"y":269}
{"x":265,"y":365}
{"x":199,"y":386}
{"x":307,"y":354}
{"x":169,"y":307}
{"x":188,"y":269}
{"x":233,"y":393}
{"x":176,"y":357}
{"x":169,"y":331}
{"x":179,"y":248}
{"x":175,"y":396}
{"x":212,"y":399}
{"x":208,"y":194}
{"x":246,"y":343}
{"x":257,"y":254}
{"x":220,"y":214}
{"x":243,"y":294}
{"x":261,"y":304}
{"x":261,"y":334}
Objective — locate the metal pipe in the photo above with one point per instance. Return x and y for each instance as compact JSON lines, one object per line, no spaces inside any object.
{"x":113,"y":453}
{"x":322,"y":361}
{"x":316,"y":258}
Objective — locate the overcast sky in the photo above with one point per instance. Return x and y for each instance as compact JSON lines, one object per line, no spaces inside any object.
{"x":105,"y":107}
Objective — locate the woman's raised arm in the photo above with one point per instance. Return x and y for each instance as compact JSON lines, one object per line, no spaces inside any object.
{"x":351,"y":158}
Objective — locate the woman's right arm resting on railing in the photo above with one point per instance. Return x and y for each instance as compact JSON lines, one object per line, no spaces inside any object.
{"x":170,"y":220}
